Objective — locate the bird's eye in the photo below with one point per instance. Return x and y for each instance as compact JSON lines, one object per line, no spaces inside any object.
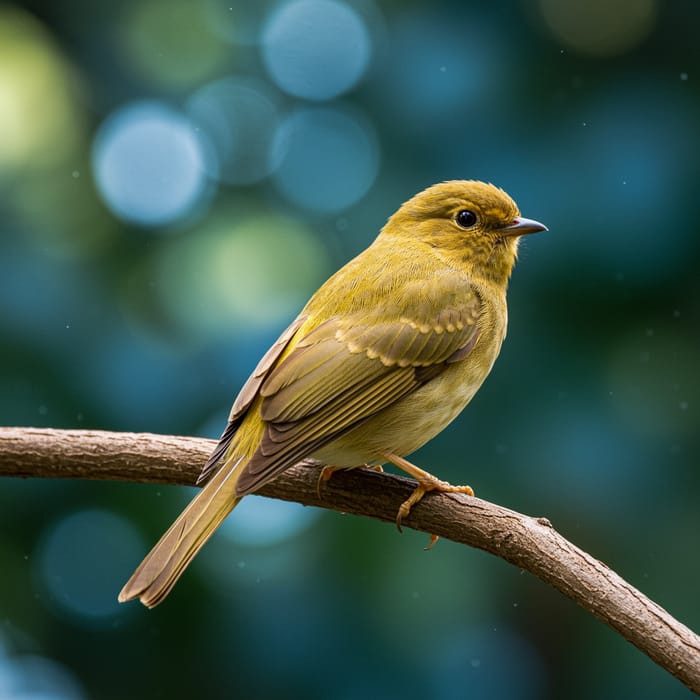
{"x":465,"y":218}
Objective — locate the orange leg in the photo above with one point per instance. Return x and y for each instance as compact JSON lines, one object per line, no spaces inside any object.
{"x":426,"y":482}
{"x":374,"y":468}
{"x":325,"y":475}
{"x":327,"y":472}
{"x":431,"y":544}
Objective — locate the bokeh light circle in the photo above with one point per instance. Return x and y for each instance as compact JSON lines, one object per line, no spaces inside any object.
{"x":82,"y":561}
{"x":599,"y":27}
{"x":35,"y":677}
{"x":261,"y":522}
{"x":148,"y":163}
{"x":325,"y":159}
{"x":239,"y":117}
{"x":247,"y":272}
{"x":170,"y":42}
{"x":315,"y":49}
{"x":40,"y":121}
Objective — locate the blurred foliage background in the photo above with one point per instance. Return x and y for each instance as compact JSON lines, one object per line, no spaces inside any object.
{"x":177,"y":176}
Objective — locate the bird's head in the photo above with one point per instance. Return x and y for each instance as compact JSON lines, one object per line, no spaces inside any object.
{"x":472,"y":224}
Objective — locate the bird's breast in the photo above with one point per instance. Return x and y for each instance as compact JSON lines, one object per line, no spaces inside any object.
{"x":415,"y":419}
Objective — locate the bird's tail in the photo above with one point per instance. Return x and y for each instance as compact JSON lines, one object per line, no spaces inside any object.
{"x":165,"y":563}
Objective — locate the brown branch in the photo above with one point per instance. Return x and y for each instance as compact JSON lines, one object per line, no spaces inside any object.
{"x":529,"y":543}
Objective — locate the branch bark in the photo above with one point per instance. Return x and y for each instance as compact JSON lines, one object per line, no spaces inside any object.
{"x":528,"y":543}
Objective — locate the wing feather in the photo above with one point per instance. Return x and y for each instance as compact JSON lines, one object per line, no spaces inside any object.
{"x":345,"y":371}
{"x":280,"y":448}
{"x":246,"y":395}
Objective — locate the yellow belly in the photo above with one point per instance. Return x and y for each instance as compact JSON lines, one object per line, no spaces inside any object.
{"x":414,"y":420}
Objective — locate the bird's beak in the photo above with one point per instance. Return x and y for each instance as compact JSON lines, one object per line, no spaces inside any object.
{"x":520,"y":226}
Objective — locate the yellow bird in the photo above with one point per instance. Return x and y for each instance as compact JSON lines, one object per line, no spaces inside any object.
{"x":380,"y":360}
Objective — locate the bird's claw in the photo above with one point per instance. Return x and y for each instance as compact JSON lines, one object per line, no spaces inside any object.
{"x":431,"y":544}
{"x":426,"y":482}
{"x":325,"y":475}
{"x":327,"y":472}
{"x":405,"y":507}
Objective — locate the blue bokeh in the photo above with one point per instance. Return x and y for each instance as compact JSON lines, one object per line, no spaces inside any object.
{"x":149,"y":164}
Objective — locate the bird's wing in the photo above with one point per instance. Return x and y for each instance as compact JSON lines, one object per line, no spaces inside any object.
{"x":346,"y":370}
{"x":247,"y":394}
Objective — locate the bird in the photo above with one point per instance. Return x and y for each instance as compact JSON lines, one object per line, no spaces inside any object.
{"x":385,"y":354}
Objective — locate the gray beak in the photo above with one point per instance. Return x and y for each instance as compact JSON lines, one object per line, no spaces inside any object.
{"x":520,"y":226}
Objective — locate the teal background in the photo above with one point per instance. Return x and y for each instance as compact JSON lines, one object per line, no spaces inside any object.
{"x":138,"y":290}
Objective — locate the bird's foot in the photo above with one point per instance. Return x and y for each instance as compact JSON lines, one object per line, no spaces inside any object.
{"x":325,"y":475}
{"x":327,"y":472}
{"x":374,"y":467}
{"x":426,"y":482}
{"x":431,"y":544}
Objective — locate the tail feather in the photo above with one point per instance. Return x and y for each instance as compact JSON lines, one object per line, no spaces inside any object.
{"x":165,"y":563}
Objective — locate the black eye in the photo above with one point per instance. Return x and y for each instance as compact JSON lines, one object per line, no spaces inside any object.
{"x":465,"y":218}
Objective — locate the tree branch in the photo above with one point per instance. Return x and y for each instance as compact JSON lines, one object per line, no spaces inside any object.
{"x":528,"y":543}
